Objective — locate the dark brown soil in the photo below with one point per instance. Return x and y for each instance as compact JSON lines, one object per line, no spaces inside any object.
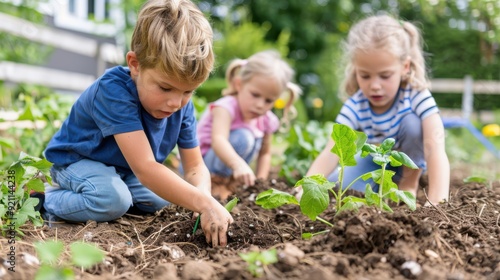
{"x":458,"y":240}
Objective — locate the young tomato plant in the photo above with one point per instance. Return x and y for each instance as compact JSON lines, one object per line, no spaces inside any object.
{"x":17,"y":182}
{"x":384,"y":155}
{"x":83,"y":255}
{"x":315,"y":198}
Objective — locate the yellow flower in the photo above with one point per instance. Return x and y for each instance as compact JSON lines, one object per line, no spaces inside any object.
{"x":491,"y":130}
{"x":317,"y":103}
{"x":279,"y":103}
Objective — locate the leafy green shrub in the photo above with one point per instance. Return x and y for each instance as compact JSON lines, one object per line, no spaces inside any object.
{"x":46,"y":111}
{"x":17,"y":182}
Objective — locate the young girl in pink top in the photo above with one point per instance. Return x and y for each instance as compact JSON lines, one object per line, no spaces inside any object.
{"x":239,"y":126}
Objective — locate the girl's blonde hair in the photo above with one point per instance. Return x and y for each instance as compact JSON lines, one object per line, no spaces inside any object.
{"x":266,"y":63}
{"x":383,"y":32}
{"x":174,"y":36}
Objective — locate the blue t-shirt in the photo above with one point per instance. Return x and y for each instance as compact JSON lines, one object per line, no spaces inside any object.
{"x":111,"y":106}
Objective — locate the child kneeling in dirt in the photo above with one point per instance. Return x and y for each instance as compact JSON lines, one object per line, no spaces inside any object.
{"x":389,"y":98}
{"x":238,"y":127}
{"x":109,"y":152}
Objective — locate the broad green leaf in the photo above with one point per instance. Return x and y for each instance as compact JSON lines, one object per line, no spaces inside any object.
{"x":408,"y":198}
{"x":42,"y":164}
{"x":48,"y":272}
{"x":27,"y":211}
{"x":85,"y":255}
{"x":366,"y":176}
{"x":475,"y":179}
{"x":403,"y":158}
{"x":386,"y":207}
{"x":387,"y":145}
{"x":49,"y":251}
{"x":368,"y":149}
{"x":273,"y":198}
{"x":230,"y":205}
{"x":361,"y":141}
{"x":372,"y":198}
{"x":388,"y":189}
{"x":345,"y":144}
{"x":380,"y":159}
{"x":352,"y":203}
{"x":315,"y":197}
{"x":18,"y":171}
{"x":35,"y":185}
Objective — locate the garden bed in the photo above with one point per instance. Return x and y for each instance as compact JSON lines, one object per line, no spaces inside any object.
{"x":458,"y":240}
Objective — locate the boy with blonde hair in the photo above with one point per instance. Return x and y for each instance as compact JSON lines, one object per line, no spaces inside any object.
{"x":109,"y":152}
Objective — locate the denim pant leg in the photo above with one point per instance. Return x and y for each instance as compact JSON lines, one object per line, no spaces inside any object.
{"x":363,"y":166}
{"x":142,"y":197}
{"x":410,"y":139}
{"x":245,"y":145}
{"x":88,"y":190}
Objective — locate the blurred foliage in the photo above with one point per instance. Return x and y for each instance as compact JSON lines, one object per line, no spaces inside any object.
{"x":461,"y":37}
{"x":44,"y":110}
{"x":13,"y":48}
{"x":304,"y":143}
{"x":240,"y":41}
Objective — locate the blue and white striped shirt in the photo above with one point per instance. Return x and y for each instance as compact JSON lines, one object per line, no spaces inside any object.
{"x":357,"y":114}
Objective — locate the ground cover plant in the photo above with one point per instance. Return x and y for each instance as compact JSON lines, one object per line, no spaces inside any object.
{"x":458,"y":240}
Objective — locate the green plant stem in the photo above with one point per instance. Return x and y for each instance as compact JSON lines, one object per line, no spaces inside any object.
{"x":340,"y":193}
{"x":353,"y":181}
{"x":320,"y":232}
{"x":381,"y":186}
{"x":324,"y":221}
{"x":196,"y":224}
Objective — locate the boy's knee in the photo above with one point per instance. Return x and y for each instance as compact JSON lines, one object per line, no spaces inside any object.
{"x":111,"y":207}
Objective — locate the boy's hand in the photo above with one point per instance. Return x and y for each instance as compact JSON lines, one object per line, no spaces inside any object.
{"x":215,"y":222}
{"x":244,"y":174}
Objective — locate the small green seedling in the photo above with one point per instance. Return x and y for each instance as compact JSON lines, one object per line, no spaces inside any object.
{"x":257,"y":261}
{"x":17,"y":182}
{"x":82,"y":254}
{"x":383,"y":155}
{"x":315,"y":198}
{"x":229,"y":207}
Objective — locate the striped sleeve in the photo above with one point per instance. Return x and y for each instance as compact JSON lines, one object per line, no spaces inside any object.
{"x":423,"y":104}
{"x":348,"y":115}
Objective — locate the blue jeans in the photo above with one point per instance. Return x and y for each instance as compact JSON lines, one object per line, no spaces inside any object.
{"x":244,"y":143}
{"x":91,"y":190}
{"x":409,"y":140}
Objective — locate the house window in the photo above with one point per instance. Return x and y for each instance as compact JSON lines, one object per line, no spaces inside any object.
{"x":89,"y":9}
{"x":92,"y":16}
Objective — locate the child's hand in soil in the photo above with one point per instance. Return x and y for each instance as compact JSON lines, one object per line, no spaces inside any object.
{"x":243,"y":173}
{"x":215,"y":221}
